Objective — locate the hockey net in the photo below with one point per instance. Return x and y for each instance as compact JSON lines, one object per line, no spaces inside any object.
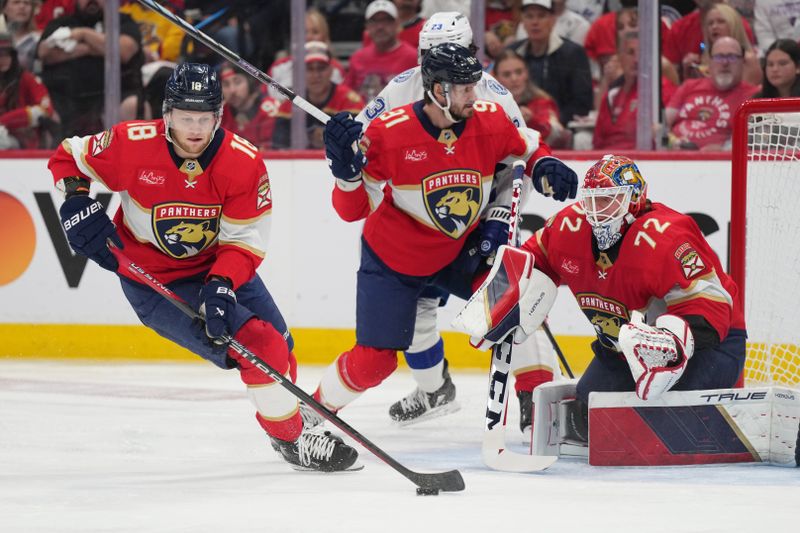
{"x":765,"y":236}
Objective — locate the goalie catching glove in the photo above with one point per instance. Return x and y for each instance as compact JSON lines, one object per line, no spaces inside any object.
{"x":514,"y":298}
{"x":657,"y":355}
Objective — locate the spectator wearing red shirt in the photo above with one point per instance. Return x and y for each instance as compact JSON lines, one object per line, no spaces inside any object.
{"x":700,"y":113}
{"x":617,"y":114}
{"x":373,"y":66}
{"x":247,"y":111}
{"x":538,"y":108}
{"x":23,"y":101}
{"x":723,"y":21}
{"x":52,"y":9}
{"x":322,"y":92}
{"x":410,"y":23}
{"x":686,"y":34}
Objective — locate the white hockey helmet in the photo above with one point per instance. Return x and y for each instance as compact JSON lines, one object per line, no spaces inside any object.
{"x":444,"y":27}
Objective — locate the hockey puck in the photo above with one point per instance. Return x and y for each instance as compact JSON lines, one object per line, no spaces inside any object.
{"x":421,"y":491}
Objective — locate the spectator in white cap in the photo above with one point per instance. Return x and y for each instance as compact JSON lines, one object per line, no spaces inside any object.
{"x":410,"y":22}
{"x":374,"y":65}
{"x":557,"y":65}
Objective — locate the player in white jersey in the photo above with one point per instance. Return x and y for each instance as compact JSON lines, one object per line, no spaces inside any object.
{"x":534,"y":361}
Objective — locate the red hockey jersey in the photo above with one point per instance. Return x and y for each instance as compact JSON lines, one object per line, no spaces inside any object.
{"x":178,"y":217}
{"x":437,"y":182}
{"x":664,"y":264}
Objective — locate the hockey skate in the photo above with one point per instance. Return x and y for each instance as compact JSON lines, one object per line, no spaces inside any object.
{"x":525,"y":414}
{"x":318,"y":450}
{"x":311,"y":418}
{"x":421,"y":405}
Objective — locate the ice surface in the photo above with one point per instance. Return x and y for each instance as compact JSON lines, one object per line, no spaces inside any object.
{"x":175,"y":447}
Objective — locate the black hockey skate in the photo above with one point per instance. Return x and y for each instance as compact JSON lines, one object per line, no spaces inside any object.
{"x":525,"y":412}
{"x":318,"y":450}
{"x":311,"y":418}
{"x":420,"y":405}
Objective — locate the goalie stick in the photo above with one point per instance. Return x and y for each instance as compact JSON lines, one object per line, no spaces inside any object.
{"x":450,"y":481}
{"x":493,"y":448}
{"x":234,"y":58}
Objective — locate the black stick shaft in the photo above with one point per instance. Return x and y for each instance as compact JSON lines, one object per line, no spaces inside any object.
{"x":446,"y":481}
{"x":557,"y":348}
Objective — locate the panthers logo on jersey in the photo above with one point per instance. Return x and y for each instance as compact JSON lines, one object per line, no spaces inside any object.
{"x":607,"y":316}
{"x":453,"y":200}
{"x":184,"y":230}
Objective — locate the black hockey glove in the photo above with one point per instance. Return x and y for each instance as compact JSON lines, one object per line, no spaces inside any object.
{"x":218,"y":302}
{"x":553,"y":178}
{"x":87,"y":227}
{"x":494,"y":231}
{"x":341,"y":132}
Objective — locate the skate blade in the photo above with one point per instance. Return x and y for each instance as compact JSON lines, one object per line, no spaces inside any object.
{"x":526,"y":435}
{"x":436,"y":412}
{"x":355,"y":467}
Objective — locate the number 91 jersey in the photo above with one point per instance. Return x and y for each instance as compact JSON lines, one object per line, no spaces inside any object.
{"x":662,"y":264}
{"x":178,"y":217}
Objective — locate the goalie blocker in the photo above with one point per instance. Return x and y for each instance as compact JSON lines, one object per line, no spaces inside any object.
{"x":760,"y":425}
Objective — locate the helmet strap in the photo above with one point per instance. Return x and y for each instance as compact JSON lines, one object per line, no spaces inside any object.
{"x":445,"y":108}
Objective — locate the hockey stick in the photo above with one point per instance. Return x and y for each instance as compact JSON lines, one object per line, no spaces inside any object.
{"x":447,"y":481}
{"x":493,"y":448}
{"x":233,"y":57}
{"x":557,"y":349}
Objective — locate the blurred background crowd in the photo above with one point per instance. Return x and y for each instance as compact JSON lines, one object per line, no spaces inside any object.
{"x":571,"y":65}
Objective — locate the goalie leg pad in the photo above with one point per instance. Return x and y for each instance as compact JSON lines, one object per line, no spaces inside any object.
{"x":657,"y":355}
{"x":513,"y":296}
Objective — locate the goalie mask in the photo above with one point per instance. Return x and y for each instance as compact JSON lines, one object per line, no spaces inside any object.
{"x":613,"y":194}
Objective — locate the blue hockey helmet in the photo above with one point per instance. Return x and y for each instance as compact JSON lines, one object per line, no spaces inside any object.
{"x":193,"y":87}
{"x":450,"y":64}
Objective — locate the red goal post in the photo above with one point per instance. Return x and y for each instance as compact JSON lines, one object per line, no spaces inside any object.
{"x":765,"y":235}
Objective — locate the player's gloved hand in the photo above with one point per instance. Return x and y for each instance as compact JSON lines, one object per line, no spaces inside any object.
{"x":87,"y":227}
{"x":553,"y":178}
{"x":341,"y":132}
{"x":218,"y":302}
{"x":494,"y":232}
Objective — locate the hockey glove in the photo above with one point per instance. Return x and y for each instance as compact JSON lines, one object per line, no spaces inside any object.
{"x":553,"y":178}
{"x":218,"y":302}
{"x":494,"y":232}
{"x":87,"y":227}
{"x":341,"y":133}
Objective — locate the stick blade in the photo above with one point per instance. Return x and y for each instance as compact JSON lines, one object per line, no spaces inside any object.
{"x":497,"y":457}
{"x":445,"y":481}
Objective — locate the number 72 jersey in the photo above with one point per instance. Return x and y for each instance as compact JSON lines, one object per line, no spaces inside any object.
{"x":178,"y":217}
{"x":663,"y":264}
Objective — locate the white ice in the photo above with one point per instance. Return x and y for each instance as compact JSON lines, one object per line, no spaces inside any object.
{"x":175,"y":447}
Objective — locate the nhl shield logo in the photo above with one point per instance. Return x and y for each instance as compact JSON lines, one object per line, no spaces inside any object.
{"x":184,"y":230}
{"x":453,"y":200}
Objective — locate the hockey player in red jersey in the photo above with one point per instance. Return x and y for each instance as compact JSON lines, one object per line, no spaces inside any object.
{"x":421,"y":183}
{"x":666,"y":314}
{"x":195,"y":211}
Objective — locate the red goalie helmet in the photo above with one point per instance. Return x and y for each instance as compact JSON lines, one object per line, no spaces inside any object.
{"x":613,"y":192}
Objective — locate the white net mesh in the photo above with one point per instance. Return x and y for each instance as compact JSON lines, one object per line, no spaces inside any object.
{"x":772,"y":260}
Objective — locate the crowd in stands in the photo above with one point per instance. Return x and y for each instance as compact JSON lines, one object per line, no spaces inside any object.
{"x":571,"y":65}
